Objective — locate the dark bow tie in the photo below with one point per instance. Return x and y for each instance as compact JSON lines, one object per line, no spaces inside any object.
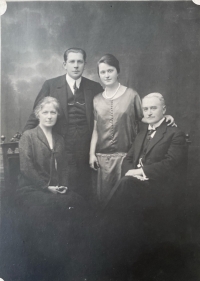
{"x":151,"y":130}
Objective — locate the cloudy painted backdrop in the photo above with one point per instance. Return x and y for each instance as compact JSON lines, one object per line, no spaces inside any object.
{"x":157,"y":44}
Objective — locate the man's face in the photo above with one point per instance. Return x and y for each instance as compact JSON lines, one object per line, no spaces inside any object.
{"x":74,"y":65}
{"x":153,"y":110}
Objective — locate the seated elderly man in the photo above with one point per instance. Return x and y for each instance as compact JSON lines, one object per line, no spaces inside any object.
{"x":158,"y":150}
{"x":150,"y":190}
{"x":156,"y":161}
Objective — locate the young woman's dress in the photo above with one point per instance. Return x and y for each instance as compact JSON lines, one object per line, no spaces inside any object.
{"x":117,"y":124}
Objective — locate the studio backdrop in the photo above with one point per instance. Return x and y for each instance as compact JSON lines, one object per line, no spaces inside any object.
{"x":157,"y":44}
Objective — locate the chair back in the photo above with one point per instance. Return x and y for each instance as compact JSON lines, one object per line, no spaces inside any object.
{"x":11,"y":166}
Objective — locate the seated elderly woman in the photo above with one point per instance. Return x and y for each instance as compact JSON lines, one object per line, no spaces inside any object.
{"x":51,"y":215}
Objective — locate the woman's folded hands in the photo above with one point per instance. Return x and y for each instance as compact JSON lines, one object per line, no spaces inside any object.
{"x":57,"y":189}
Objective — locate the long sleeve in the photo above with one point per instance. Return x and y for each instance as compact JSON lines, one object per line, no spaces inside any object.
{"x":27,"y":165}
{"x":138,"y":112}
{"x":174,"y":157}
{"x":33,"y":121}
{"x":138,"y":108}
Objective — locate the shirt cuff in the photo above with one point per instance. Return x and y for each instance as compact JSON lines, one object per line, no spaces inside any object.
{"x":144,"y":176}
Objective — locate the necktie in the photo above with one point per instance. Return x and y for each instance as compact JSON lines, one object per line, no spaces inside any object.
{"x":75,"y":88}
{"x":150,"y":132}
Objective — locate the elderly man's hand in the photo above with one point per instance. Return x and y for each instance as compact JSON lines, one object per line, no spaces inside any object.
{"x":134,"y":172}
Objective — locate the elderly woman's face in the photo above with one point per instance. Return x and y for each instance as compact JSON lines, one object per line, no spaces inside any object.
{"x":48,"y":115}
{"x":108,"y":74}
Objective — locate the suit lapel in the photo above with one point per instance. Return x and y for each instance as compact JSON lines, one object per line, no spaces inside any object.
{"x":41,"y":136}
{"x":138,"y":143}
{"x":88,"y":100}
{"x":61,"y":91}
{"x":43,"y":139}
{"x":158,"y":136}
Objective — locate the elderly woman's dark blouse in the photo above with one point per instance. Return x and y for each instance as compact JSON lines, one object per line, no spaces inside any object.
{"x":40,"y":165}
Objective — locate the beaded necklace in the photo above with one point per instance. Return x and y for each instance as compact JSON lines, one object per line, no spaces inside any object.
{"x":105,"y":93}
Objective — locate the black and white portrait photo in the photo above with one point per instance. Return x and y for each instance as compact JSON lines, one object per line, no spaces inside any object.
{"x":100,"y":141}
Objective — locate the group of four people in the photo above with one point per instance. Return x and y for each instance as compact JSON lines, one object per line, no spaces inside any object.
{"x":101,"y":121}
{"x":77,"y":125}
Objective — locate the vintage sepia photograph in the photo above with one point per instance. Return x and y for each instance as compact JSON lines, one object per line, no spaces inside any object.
{"x":100,"y":141}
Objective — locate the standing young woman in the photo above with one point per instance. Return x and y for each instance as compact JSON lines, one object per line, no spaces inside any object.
{"x":117,"y":112}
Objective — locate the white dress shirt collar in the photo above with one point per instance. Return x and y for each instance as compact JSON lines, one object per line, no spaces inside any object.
{"x":156,"y":125}
{"x":150,"y":127}
{"x":71,"y":82}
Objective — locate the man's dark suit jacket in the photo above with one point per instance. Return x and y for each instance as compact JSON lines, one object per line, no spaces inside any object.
{"x":165,"y":158}
{"x":164,"y":164}
{"x":150,"y":211}
{"x":57,"y":88}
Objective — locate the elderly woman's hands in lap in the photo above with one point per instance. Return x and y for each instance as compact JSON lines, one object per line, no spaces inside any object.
{"x":57,"y":189}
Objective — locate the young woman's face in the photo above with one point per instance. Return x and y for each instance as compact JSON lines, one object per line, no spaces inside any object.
{"x":108,"y":74}
{"x":48,"y":115}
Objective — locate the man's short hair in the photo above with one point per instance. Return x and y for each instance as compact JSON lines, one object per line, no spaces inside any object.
{"x":155,"y":95}
{"x":74,"y":50}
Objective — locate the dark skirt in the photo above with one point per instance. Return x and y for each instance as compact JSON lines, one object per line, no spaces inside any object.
{"x":52,"y":228}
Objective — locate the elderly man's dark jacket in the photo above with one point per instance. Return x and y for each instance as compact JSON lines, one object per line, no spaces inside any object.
{"x":57,"y":88}
{"x":36,"y":159}
{"x":165,"y":158}
{"x":150,"y":211}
